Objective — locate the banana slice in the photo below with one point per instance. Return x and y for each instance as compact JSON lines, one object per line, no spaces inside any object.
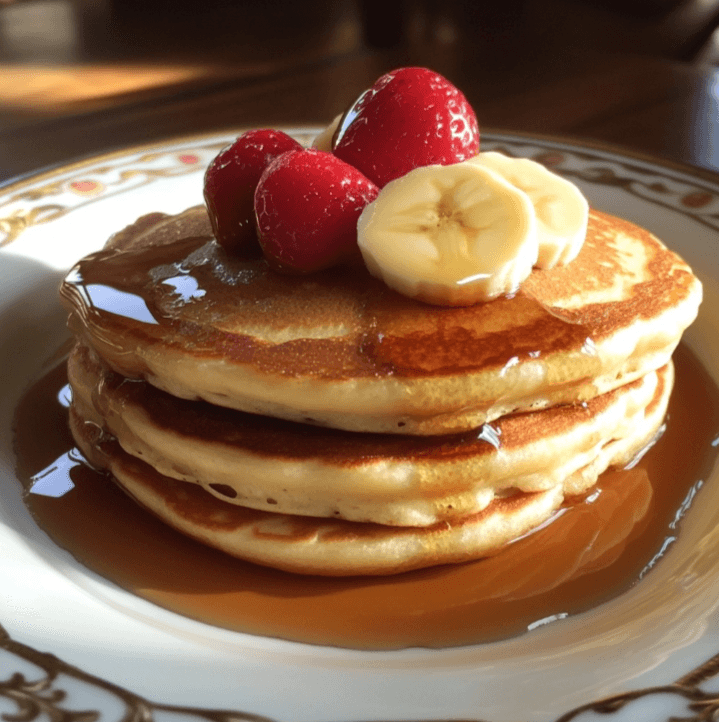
{"x":450,"y":235}
{"x":323,"y":140}
{"x":562,"y":211}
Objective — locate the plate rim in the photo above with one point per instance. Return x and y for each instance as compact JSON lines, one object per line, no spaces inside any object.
{"x":20,"y":181}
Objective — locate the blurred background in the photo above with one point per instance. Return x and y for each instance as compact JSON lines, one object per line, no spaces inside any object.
{"x":81,"y":76}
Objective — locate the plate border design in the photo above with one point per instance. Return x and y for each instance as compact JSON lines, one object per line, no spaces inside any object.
{"x":24,"y":204}
{"x":91,"y":182}
{"x":46,"y":695}
{"x":181,"y":156}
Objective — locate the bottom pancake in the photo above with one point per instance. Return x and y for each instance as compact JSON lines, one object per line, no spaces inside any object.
{"x":310,"y":545}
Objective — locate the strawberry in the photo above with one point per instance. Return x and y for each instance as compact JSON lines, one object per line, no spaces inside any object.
{"x":410,"y":117}
{"x":230,"y":182}
{"x":307,"y":204}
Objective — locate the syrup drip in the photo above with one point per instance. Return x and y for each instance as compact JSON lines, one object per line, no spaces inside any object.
{"x":594,"y":549}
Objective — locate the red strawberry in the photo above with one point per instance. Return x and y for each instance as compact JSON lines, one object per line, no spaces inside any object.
{"x":230,"y":182}
{"x":307,"y":205}
{"x":410,"y":117}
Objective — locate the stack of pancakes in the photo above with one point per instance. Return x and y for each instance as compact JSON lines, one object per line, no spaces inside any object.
{"x":325,"y":424}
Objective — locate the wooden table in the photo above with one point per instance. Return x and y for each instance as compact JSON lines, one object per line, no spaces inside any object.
{"x":533,"y":67}
{"x":650,"y":105}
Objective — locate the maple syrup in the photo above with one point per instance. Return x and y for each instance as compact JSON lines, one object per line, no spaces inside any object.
{"x":596,"y":548}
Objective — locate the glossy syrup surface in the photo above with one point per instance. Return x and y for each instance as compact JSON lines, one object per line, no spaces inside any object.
{"x":189,"y":295}
{"x":597,"y":548}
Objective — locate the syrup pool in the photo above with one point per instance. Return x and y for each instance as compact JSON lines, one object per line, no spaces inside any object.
{"x":596,"y":548}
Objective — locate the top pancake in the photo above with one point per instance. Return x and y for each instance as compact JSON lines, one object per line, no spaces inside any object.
{"x":165,"y":303}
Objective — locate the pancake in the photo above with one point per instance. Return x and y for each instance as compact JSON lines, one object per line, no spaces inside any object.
{"x":281,"y":466}
{"x":164,"y":303}
{"x":312,"y":545}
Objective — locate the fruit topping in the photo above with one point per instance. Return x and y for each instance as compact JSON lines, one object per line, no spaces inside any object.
{"x":451,"y":226}
{"x":307,"y":204}
{"x":450,"y":235}
{"x":230,"y":182}
{"x":562,"y":211}
{"x":409,"y":118}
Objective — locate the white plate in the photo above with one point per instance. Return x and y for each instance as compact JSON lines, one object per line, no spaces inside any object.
{"x":119,"y":655}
